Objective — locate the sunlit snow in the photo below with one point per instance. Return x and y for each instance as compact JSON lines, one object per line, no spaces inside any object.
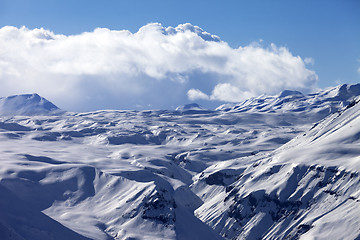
{"x":271,"y":167}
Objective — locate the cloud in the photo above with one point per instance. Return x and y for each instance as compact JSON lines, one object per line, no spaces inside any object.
{"x":309,"y":61}
{"x":222,"y":92}
{"x":228,"y":93}
{"x":156,"y":67}
{"x":196,"y":94}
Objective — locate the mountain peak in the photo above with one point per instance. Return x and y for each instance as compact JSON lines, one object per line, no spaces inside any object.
{"x":189,"y":107}
{"x":27,"y":104}
{"x":287,"y":93}
{"x":344,"y":92}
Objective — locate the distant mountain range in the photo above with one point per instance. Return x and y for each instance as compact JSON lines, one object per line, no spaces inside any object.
{"x":326,"y":101}
{"x":323,"y":103}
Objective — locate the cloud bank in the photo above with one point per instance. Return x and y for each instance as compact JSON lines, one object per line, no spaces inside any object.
{"x":156,"y":67}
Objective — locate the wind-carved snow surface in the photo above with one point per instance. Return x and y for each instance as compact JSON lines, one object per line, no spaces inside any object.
{"x":268,"y":168}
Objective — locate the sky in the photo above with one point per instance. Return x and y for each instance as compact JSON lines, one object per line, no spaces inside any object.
{"x":114,"y":54}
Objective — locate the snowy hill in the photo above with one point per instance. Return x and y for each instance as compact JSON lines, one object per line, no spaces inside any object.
{"x":192,"y":108}
{"x":307,"y":189}
{"x":272,"y":172}
{"x":27,"y":104}
{"x":321,"y":103}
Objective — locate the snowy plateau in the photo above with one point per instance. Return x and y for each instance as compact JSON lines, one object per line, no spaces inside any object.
{"x":271,"y":167}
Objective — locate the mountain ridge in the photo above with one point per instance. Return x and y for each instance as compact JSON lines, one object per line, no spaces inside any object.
{"x":325,"y":101}
{"x":331,"y":100}
{"x":297,"y":190}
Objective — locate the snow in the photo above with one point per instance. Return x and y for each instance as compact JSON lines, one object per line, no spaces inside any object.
{"x":188,"y":107}
{"x":27,"y":104}
{"x":317,"y":105}
{"x":270,"y":167}
{"x":290,"y":93}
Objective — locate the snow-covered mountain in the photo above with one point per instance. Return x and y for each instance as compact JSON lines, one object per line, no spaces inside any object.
{"x":321,"y":103}
{"x":307,"y":188}
{"x":191,"y":108}
{"x":273,"y":172}
{"x":27,"y":104}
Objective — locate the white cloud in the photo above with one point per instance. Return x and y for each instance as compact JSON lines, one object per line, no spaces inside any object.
{"x":309,"y":61}
{"x":156,"y":65}
{"x":196,"y":94}
{"x":229,"y":93}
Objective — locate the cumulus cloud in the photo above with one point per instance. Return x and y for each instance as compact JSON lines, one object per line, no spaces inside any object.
{"x":156,"y":67}
{"x":229,"y":93}
{"x":196,"y":94}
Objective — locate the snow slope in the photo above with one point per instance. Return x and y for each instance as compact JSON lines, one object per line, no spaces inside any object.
{"x":307,"y":189}
{"x":236,"y":173}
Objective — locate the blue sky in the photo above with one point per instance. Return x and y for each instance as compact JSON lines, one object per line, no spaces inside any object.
{"x":328,"y":32}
